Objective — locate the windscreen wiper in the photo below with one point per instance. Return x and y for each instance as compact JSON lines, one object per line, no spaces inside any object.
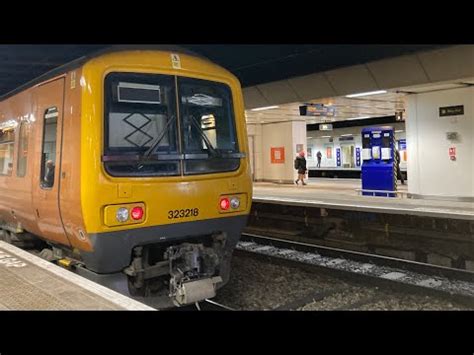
{"x":209,"y":145}
{"x":158,"y":139}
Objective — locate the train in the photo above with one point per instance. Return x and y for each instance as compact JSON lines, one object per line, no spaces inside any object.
{"x":130,"y":167}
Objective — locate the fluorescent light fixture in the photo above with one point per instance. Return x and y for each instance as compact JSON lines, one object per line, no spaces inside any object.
{"x":309,"y":137}
{"x":325,"y":137}
{"x":378,"y":92}
{"x":264,"y":108}
{"x":357,"y":118}
{"x":399,"y":131}
{"x":347,"y":135}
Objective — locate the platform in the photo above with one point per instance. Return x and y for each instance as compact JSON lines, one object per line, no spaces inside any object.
{"x":342,"y":194}
{"x":28,"y":282}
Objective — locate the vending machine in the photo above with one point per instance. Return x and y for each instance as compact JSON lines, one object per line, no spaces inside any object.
{"x":379,"y":170}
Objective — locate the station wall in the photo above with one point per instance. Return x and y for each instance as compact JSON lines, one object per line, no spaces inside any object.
{"x":432,"y":172}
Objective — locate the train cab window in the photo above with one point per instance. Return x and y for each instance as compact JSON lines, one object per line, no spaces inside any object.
{"x":140,"y":125}
{"x":48,"y":153}
{"x":23,"y":149}
{"x":207,"y":127}
{"x":7,"y":142}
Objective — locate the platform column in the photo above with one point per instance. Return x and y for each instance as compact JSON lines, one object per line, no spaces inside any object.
{"x":276,"y":145}
{"x":440,"y":143}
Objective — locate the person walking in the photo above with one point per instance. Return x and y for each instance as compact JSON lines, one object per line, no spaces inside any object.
{"x":319,"y":156}
{"x":397,"y":161}
{"x":300,"y":165}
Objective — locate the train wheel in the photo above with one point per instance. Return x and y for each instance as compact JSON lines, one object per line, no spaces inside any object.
{"x":135,"y":292}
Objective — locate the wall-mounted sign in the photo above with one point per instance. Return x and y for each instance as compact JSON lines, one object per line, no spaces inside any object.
{"x":317,"y":110}
{"x":343,"y":139}
{"x":402,"y":144}
{"x":358,"y":156}
{"x":451,"y":111}
{"x":325,"y":127}
{"x":338,"y":156}
{"x":452,"y":153}
{"x":328,"y":152}
{"x":277,"y":155}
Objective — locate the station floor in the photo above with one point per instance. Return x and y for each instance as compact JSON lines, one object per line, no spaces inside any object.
{"x":343,"y":194}
{"x":28,"y":282}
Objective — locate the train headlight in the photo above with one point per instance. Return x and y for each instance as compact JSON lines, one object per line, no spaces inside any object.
{"x":235,"y":202}
{"x":122,"y":214}
{"x":137,"y":213}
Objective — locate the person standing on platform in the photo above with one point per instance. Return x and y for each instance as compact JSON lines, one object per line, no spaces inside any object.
{"x":300,"y":165}
{"x":319,"y":155}
{"x":397,"y":161}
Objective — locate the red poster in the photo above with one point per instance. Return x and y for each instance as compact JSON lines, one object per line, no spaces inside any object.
{"x":278,"y":155}
{"x":328,"y":152}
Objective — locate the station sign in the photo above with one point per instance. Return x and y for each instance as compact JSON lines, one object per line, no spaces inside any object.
{"x":317,"y":110}
{"x":325,"y":127}
{"x":451,"y":111}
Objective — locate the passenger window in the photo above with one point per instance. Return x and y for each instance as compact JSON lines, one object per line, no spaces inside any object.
{"x":23,"y":149}
{"x":7,"y":142}
{"x":48,"y":155}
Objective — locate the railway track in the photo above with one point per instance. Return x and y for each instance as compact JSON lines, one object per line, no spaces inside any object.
{"x":450,"y":284}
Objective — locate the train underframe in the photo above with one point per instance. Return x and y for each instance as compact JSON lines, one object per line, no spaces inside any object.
{"x":163,"y":266}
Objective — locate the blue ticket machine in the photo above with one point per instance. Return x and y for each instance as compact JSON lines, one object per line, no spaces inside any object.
{"x":378,"y":161}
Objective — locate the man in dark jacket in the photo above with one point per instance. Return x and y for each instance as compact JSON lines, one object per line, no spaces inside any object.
{"x":300,"y":165}
{"x":397,"y":161}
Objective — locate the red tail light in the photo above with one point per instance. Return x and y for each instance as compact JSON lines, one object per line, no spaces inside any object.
{"x":137,"y":213}
{"x":224,"y":204}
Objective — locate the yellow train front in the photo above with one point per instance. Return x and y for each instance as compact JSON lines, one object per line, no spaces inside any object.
{"x":132,"y":167}
{"x":165,"y":186}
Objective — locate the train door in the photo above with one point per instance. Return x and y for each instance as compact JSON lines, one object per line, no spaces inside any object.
{"x":48,"y":100}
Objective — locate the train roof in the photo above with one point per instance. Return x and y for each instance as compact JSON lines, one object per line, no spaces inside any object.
{"x":80,"y":61}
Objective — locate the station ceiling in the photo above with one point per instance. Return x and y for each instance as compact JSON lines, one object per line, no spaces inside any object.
{"x":253,"y":64}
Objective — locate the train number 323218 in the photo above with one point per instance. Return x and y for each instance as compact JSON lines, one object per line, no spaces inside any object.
{"x":189,"y":212}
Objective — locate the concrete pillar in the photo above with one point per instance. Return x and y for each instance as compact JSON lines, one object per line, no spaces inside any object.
{"x":431,"y":171}
{"x":275,"y":146}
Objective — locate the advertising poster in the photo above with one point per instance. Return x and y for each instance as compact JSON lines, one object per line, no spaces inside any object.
{"x":277,"y":155}
{"x":329,"y":152}
{"x":310,"y":152}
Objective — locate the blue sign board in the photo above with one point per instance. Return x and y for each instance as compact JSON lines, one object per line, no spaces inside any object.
{"x":357,"y":156}
{"x":338,"y":156}
{"x":402,"y":144}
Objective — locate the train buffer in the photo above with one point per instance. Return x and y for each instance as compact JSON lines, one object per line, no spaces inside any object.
{"x":28,"y":282}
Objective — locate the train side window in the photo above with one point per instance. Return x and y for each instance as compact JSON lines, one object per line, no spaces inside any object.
{"x":23,"y":149}
{"x":7,"y":143}
{"x":48,"y":152}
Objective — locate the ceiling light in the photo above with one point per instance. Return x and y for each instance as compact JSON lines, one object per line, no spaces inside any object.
{"x":357,"y":118}
{"x":346,"y":135}
{"x":264,"y":108}
{"x":378,"y":92}
{"x":325,"y":136}
{"x":399,"y":131}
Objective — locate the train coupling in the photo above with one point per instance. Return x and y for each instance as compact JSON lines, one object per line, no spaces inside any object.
{"x":195,"y":291}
